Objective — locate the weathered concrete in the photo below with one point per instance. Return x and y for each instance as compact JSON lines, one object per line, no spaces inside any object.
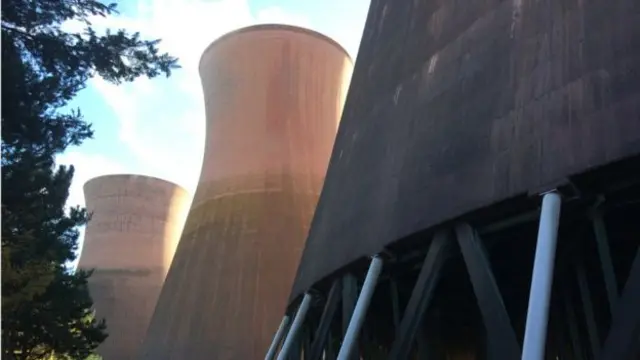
{"x":130,"y":241}
{"x":456,"y":106}
{"x":273,"y":96}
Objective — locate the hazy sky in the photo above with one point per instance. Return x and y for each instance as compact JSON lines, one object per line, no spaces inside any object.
{"x":156,"y":127}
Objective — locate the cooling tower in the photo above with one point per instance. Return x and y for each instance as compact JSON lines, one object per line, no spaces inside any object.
{"x":130,"y":241}
{"x":482,"y":143}
{"x":453,"y":108}
{"x":273,"y":97}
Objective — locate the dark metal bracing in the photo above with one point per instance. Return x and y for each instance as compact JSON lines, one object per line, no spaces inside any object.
{"x":501,"y":337}
{"x":322,"y":332}
{"x":623,"y":338}
{"x":421,"y":295}
{"x":467,"y":299}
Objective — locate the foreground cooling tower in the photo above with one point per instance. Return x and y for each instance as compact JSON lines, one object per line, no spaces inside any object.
{"x":130,"y":241}
{"x":462,"y":116}
{"x":273,"y":97}
{"x":451,"y":111}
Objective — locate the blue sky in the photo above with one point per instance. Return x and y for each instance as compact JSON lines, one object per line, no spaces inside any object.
{"x":156,"y":127}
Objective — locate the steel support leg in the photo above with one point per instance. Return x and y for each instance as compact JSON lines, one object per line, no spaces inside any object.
{"x":587,"y":306}
{"x":359,"y":313}
{"x":320,"y":339}
{"x":604,"y":252}
{"x":540,"y":293}
{"x":282,"y":329}
{"x":395,"y":303}
{"x":296,"y":348}
{"x":560,"y":340}
{"x":292,"y":336}
{"x":421,"y":296}
{"x":329,"y":352}
{"x":502,"y":340}
{"x":349,"y":298}
{"x":572,"y":325}
{"x":423,"y":347}
{"x":624,"y":333}
{"x":306,"y":342}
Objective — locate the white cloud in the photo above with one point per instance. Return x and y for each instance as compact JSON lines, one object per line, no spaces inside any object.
{"x":274,"y":14}
{"x":161,"y":121}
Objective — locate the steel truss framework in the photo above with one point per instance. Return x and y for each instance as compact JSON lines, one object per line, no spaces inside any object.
{"x":588,"y":307}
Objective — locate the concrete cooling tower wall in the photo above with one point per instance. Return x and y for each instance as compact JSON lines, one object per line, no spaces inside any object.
{"x":130,"y":241}
{"x":456,"y":107}
{"x":273,"y":97}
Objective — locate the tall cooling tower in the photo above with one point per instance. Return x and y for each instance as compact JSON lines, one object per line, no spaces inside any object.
{"x":488,"y":157}
{"x":130,"y":241}
{"x":273,"y":97}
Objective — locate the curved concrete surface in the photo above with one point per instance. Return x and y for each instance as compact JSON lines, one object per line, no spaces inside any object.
{"x":455,"y":107}
{"x":130,"y":241}
{"x":274,"y":96}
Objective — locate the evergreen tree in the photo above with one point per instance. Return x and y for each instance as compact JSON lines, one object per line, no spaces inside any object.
{"x":46,"y":310}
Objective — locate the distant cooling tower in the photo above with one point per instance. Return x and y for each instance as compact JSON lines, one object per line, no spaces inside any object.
{"x":130,"y":242}
{"x":273,"y":96}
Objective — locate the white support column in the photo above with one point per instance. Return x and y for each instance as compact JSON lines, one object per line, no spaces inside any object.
{"x":295,"y":327}
{"x":360,"y":311}
{"x":278,"y":338}
{"x":538,"y":313}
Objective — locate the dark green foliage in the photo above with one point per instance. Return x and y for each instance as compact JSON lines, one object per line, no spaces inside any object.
{"x":46,"y":310}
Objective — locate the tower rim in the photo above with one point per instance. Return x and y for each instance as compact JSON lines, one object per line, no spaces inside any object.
{"x":272,"y":27}
{"x":130,"y":175}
